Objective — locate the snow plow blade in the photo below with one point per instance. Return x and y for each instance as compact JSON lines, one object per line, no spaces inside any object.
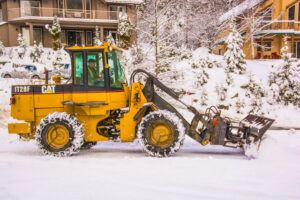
{"x":256,"y":125}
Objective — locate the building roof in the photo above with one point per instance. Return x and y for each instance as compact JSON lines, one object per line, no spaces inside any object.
{"x":125,"y":1}
{"x":240,"y":9}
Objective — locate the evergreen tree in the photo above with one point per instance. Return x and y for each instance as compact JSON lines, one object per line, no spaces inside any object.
{"x":97,"y":40}
{"x":125,"y":30}
{"x":234,"y":55}
{"x":286,"y":79}
{"x":22,"y":46}
{"x":1,"y":48}
{"x":55,"y":31}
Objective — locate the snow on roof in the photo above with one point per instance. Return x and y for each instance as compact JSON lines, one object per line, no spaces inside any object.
{"x":125,"y":1}
{"x":240,"y":9}
{"x":2,"y":23}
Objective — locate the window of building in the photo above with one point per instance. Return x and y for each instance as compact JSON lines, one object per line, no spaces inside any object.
{"x":74,"y":4}
{"x":75,"y":38}
{"x":291,"y":13}
{"x":258,"y":49}
{"x":0,"y":12}
{"x":89,"y":38}
{"x":267,"y":46}
{"x":115,"y":10}
{"x":220,"y":51}
{"x":113,"y":32}
{"x":299,"y":12}
{"x":37,"y":35}
{"x":30,"y":8}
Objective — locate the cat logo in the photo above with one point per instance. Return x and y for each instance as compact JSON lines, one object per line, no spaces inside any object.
{"x":48,"y":89}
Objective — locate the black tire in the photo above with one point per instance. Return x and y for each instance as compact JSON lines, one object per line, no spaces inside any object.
{"x":172,"y":139}
{"x":7,"y":76}
{"x":88,"y":145}
{"x":35,"y":77}
{"x":59,"y":134}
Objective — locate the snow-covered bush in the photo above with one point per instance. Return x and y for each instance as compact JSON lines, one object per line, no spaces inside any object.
{"x":110,"y":39}
{"x":125,"y":30}
{"x":97,"y":40}
{"x":22,"y":46}
{"x":206,"y":62}
{"x":55,"y":31}
{"x":58,"y":59}
{"x":36,"y":52}
{"x":1,"y":48}
{"x":254,"y":94}
{"x":285,"y":83}
{"x":234,"y":56}
{"x":202,"y":77}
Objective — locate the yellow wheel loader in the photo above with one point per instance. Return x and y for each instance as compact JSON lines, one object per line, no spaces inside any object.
{"x":98,"y":105}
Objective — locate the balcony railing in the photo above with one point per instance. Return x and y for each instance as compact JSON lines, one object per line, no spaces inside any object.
{"x":14,"y":13}
{"x":283,"y":25}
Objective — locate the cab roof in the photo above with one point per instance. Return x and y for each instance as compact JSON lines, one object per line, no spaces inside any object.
{"x":104,"y":46}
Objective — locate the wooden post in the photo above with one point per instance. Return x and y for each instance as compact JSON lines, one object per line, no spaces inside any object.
{"x":31,"y":34}
{"x":292,"y":45}
{"x":101,"y":34}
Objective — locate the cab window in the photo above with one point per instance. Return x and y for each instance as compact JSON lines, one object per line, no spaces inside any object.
{"x":116,"y":74}
{"x":95,"y":69}
{"x":78,"y":69}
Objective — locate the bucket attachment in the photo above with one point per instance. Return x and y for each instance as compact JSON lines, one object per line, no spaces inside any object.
{"x":256,"y":125}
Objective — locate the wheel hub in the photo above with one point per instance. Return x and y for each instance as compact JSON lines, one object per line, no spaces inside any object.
{"x":58,"y":136}
{"x":161,"y":136}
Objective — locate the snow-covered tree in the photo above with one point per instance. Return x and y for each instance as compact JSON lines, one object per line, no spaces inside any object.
{"x":1,"y":48}
{"x":254,"y":93}
{"x":36,"y":52}
{"x":286,"y":79}
{"x":160,"y":25}
{"x":97,"y":40}
{"x":55,"y":31}
{"x":110,"y":39}
{"x":21,"y":47}
{"x":234,"y":55}
{"x":125,"y":30}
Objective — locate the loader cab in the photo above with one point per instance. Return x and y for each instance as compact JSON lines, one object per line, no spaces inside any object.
{"x":97,"y":75}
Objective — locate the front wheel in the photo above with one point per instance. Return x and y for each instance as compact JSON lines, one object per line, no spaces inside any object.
{"x":161,"y":133}
{"x":59,"y":134}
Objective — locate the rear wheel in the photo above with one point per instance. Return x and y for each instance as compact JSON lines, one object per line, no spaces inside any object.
{"x":161,"y":133}
{"x":7,"y":76}
{"x":35,"y":77}
{"x":59,"y":134}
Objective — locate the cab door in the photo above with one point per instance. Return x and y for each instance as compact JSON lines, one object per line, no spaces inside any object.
{"x":96,"y":82}
{"x":78,"y":88}
{"x":117,"y":96}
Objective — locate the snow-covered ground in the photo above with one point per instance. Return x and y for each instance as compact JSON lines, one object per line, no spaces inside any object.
{"x":122,"y":171}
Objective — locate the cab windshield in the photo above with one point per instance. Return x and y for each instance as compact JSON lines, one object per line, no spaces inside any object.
{"x":116,"y":73}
